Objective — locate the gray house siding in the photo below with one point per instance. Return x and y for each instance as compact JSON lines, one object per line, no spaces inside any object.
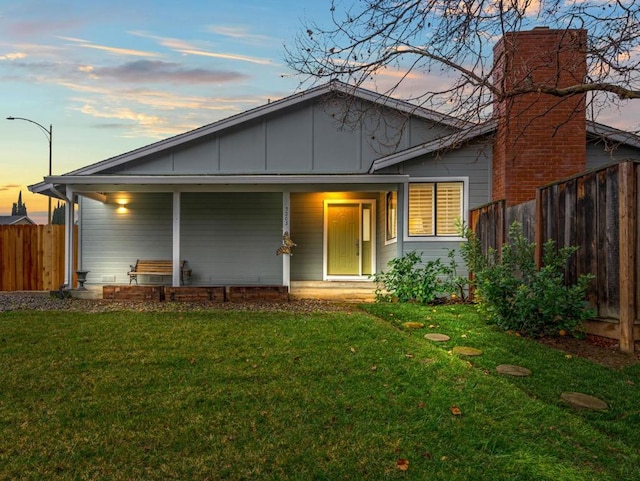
{"x":307,"y":214}
{"x":472,"y":161}
{"x":307,"y":231}
{"x":311,"y":138}
{"x":226,"y":238}
{"x":598,"y":155}
{"x":232,"y":238}
{"x":111,"y":241}
{"x":386,"y":250}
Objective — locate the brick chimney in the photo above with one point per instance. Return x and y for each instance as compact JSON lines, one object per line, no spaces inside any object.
{"x":541,"y":138}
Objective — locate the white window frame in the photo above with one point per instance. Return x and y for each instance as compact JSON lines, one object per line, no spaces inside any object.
{"x":436,"y":180}
{"x":394,"y":240}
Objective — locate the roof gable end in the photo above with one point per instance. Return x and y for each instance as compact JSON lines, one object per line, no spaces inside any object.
{"x":334,"y":87}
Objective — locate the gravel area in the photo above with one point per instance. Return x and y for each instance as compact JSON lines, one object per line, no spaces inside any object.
{"x":42,"y":301}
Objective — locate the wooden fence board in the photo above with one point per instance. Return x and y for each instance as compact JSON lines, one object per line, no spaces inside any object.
{"x":601,"y":289}
{"x":627,"y":271}
{"x":32,"y":257}
{"x":610,"y":254}
{"x":598,"y":212}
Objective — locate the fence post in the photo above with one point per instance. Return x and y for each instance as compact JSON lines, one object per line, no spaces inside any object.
{"x":539,"y":227}
{"x":627,"y":251}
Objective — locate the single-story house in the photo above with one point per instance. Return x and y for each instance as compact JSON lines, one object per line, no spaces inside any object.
{"x":15,"y":220}
{"x":351,"y":177}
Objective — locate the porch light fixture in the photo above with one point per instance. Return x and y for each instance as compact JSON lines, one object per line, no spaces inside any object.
{"x":122,"y":207}
{"x":49,"y":135}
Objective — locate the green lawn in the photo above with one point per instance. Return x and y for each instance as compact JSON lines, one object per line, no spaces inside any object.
{"x":340,"y":395}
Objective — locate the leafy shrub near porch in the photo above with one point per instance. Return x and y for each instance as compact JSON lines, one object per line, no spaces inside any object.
{"x":515,"y":295}
{"x":410,"y":280}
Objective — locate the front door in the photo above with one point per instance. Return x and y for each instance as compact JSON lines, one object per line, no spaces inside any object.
{"x":348,"y":239}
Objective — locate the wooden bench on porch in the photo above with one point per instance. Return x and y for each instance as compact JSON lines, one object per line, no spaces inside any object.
{"x":157,"y":268}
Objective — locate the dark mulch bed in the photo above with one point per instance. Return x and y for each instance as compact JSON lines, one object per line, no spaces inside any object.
{"x":598,"y":349}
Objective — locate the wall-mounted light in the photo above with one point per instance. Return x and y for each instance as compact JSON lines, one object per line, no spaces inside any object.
{"x":122,"y":207}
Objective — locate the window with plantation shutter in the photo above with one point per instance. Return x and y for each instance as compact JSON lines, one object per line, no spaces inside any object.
{"x":434,"y":208}
{"x":421,"y":209}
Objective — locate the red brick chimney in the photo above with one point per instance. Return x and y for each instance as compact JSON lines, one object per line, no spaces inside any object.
{"x":541,"y":138}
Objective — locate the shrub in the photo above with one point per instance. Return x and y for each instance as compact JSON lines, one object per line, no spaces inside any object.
{"x":411,"y":280}
{"x":516,"y":295}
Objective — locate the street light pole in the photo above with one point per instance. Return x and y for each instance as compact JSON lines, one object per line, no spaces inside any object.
{"x":49,"y":134}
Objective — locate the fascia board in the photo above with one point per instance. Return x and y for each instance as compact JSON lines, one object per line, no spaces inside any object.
{"x":612,"y":133}
{"x":222,"y":179}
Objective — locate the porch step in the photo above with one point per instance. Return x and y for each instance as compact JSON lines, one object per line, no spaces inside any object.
{"x":347,"y":291}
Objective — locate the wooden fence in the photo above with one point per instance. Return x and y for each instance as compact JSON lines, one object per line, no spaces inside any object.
{"x":598,"y":212}
{"x":32,"y":257}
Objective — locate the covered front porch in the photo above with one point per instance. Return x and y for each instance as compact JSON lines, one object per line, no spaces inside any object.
{"x":233,"y":234}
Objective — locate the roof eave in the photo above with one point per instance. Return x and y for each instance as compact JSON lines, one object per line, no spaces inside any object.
{"x":436,"y":145}
{"x":97,"y":180}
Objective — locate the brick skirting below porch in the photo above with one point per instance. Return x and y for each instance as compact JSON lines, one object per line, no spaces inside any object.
{"x":196,"y":293}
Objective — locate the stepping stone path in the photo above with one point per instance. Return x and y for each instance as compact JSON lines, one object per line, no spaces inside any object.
{"x":584,"y":401}
{"x":511,"y":370}
{"x":437,"y":337}
{"x":467,"y":351}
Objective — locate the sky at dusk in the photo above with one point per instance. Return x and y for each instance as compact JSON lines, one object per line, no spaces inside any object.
{"x":114,"y":76}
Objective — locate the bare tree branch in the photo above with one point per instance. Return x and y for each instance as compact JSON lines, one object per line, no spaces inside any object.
{"x":390,"y":42}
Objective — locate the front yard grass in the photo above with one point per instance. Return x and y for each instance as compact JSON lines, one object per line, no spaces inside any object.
{"x":338,"y":395}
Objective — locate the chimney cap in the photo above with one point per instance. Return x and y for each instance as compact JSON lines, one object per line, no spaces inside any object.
{"x":541,"y":28}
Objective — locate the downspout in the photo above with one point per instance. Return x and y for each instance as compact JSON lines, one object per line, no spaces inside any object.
{"x":59,"y":194}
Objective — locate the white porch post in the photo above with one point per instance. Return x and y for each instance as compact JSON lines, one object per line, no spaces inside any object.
{"x":176,"y":239}
{"x":286,"y":227}
{"x":68,"y":239}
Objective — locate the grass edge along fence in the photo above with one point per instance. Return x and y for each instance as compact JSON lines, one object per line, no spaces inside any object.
{"x":597,"y":211}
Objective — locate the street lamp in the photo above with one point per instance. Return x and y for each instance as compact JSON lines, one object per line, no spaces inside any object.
{"x":49,"y":134}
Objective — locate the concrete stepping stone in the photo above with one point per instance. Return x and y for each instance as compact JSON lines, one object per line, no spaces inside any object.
{"x":584,"y":401}
{"x":511,"y":370}
{"x":437,"y":337}
{"x":467,"y":351}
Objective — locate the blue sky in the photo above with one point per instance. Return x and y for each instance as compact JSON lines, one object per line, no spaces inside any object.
{"x":111,"y":76}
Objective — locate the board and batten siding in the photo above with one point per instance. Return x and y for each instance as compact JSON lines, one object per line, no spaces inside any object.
{"x":110,"y":241}
{"x":232,"y":238}
{"x":309,"y":138}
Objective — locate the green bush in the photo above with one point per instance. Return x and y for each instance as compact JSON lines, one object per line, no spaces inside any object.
{"x":411,"y":280}
{"x":515,"y":295}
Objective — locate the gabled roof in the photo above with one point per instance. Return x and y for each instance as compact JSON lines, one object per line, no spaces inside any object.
{"x":15,"y":219}
{"x":594,"y":129}
{"x":436,"y":145}
{"x":334,"y":87}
